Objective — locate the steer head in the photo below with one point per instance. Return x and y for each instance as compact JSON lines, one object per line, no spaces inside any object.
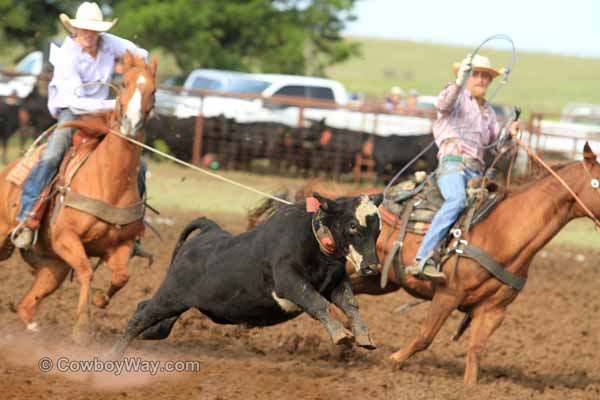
{"x":354,"y":223}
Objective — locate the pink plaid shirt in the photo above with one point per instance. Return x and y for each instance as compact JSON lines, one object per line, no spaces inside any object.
{"x":462,"y":128}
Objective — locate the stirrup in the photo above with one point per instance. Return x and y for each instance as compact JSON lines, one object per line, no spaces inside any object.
{"x":18,"y":230}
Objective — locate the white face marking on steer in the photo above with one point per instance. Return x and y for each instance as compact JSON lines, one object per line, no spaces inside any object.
{"x":364,"y":209}
{"x":285,"y":305}
{"x":354,"y":257}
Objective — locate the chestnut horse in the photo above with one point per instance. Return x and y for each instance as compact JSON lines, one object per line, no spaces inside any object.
{"x":529,"y":217}
{"x":109,"y":175}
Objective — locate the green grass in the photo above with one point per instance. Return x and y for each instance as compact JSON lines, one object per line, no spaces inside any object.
{"x":177,"y":188}
{"x":579,"y":233}
{"x":539,"y":82}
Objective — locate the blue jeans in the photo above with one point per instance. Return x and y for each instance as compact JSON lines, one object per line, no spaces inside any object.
{"x":452,"y":180}
{"x":46,"y":168}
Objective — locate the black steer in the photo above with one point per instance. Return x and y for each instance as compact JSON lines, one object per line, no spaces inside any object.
{"x":270,"y":274}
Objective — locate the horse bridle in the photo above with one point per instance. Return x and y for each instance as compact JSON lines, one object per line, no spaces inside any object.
{"x":595,"y":183}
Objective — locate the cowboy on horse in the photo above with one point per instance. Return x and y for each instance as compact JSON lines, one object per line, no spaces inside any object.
{"x":87,"y":62}
{"x":466,"y":124}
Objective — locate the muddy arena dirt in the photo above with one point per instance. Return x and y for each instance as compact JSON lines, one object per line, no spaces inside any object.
{"x":547,"y":348}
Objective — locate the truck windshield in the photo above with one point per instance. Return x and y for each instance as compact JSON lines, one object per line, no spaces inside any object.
{"x":241,"y":85}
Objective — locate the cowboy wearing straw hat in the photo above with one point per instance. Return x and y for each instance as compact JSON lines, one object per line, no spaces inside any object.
{"x":88,"y":55}
{"x":466,"y":123}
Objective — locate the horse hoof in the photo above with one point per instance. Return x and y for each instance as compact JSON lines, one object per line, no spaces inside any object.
{"x":365,"y":341}
{"x":100,"y":299}
{"x":33,"y":327}
{"x":397,"y":360}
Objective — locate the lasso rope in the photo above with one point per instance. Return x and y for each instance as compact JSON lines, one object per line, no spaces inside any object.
{"x":505,"y":74}
{"x":195,"y":168}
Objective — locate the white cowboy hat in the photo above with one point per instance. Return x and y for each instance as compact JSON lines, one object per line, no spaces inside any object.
{"x":480,"y":63}
{"x":88,"y":16}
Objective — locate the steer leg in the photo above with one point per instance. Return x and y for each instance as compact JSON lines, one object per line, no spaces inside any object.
{"x":153,"y":318}
{"x":343,"y":297}
{"x":293,"y":287}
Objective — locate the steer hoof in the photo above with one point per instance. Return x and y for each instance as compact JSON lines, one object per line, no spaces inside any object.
{"x":342,"y":337}
{"x":365,"y":341}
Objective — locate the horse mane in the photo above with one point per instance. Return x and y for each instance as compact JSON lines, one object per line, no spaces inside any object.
{"x":97,"y":124}
{"x":534,"y":174}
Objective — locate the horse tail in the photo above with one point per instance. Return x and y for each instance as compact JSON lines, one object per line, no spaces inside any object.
{"x":202,"y":223}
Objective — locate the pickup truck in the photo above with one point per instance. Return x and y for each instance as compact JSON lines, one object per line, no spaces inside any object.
{"x":187,"y":102}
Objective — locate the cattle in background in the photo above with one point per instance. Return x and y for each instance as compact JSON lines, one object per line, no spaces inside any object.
{"x":333,"y":150}
{"x":293,"y":262}
{"x":176,"y":133}
{"x":392,"y":153}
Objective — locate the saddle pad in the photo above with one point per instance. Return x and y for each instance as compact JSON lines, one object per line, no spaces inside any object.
{"x":21,"y":171}
{"x":82,"y":146}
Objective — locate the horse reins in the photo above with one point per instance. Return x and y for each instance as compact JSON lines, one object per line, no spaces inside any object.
{"x":595,"y":183}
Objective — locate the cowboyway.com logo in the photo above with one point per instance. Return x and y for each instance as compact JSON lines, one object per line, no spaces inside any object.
{"x":116,"y":367}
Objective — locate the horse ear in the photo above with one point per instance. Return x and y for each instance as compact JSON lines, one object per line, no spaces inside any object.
{"x":153,"y":65}
{"x":588,"y":154}
{"x":327,"y":205}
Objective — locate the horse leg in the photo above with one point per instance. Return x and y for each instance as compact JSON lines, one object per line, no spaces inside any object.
{"x":49,"y":275}
{"x":485,"y":323}
{"x":442,"y":305}
{"x":117,"y":262}
{"x":69,"y":247}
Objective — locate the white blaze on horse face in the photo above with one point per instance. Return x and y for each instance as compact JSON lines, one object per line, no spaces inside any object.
{"x":285,"y":304}
{"x":134,"y":108}
{"x":364,"y":209}
{"x":354,"y":257}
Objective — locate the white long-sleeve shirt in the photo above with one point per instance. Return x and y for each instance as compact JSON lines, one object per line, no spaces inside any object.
{"x":73,"y":67}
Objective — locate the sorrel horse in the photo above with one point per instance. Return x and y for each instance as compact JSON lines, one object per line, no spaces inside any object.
{"x":109,"y":175}
{"x":529,"y":217}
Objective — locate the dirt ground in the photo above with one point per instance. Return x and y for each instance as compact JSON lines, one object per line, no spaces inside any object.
{"x":547,"y":347}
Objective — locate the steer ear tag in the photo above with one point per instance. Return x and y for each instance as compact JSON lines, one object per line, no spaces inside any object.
{"x":312,"y":204}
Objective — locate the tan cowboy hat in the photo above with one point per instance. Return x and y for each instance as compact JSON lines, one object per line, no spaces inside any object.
{"x":480,"y":63}
{"x":88,"y":16}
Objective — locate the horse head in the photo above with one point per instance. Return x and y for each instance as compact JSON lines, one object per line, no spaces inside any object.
{"x":136,"y":99}
{"x":590,"y":183}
